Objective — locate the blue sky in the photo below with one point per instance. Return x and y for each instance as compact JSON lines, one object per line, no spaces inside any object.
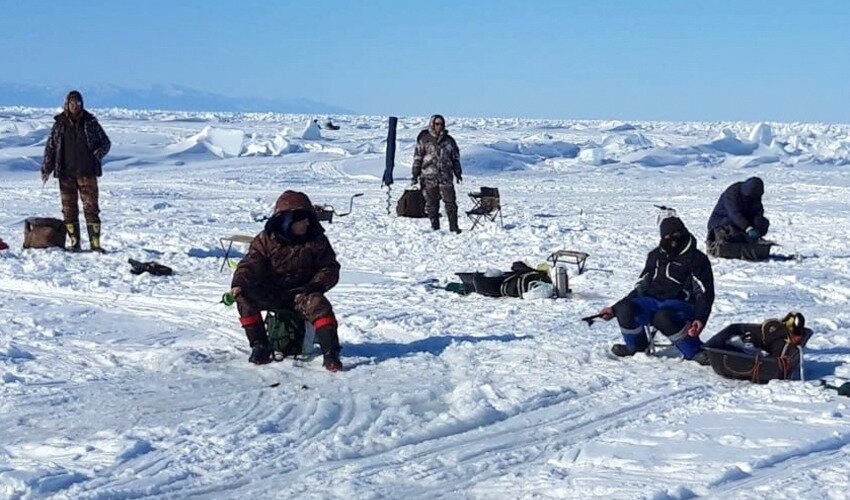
{"x":666,"y":60}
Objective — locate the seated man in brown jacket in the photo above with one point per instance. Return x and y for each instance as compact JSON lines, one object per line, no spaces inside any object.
{"x":290,"y":265}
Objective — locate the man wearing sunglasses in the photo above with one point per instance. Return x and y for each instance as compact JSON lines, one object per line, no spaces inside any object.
{"x":73,"y":154}
{"x":674,"y":294}
{"x":436,"y":162}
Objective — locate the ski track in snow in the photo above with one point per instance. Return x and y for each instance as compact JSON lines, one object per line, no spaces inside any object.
{"x":122,"y":386}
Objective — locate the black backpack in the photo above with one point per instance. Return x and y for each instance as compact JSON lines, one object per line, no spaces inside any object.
{"x":411,"y":204}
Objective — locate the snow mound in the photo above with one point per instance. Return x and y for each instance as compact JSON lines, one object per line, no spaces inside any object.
{"x":276,"y":146}
{"x":750,"y":161}
{"x":623,"y":127}
{"x":483,"y":159}
{"x":627,"y":141}
{"x":657,"y":157}
{"x":18,"y":164}
{"x":221,"y":142}
{"x":729,"y":143}
{"x":311,"y":131}
{"x":592,"y":156}
{"x":761,"y":134}
{"x":21,"y":138}
{"x":542,"y":149}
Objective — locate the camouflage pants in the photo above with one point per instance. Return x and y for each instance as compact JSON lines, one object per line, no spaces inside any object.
{"x":433,"y":191}
{"x":311,"y":306}
{"x":70,"y":188}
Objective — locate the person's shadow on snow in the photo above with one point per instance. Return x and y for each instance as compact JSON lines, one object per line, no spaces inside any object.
{"x":378,"y":352}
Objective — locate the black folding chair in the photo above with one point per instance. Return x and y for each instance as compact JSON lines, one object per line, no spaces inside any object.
{"x":486,"y":206}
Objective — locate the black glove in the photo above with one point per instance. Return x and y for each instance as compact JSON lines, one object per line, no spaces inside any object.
{"x":153,"y":267}
{"x":459,"y":178}
{"x":414,"y":181}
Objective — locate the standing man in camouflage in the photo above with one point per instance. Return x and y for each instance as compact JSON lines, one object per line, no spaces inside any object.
{"x":436,"y":163}
{"x":73,"y":154}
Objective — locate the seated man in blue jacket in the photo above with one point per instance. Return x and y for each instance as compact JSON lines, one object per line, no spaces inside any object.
{"x":738,"y":216}
{"x":674,"y":294}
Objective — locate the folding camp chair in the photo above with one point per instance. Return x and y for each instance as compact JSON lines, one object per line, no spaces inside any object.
{"x":573,"y":256}
{"x":486,"y":205}
{"x":651,"y":332}
{"x":233,"y":238}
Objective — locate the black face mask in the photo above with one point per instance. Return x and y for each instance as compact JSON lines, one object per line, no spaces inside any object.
{"x":673,"y":242}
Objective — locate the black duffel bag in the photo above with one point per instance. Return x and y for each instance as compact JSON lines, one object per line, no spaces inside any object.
{"x":411,"y":204}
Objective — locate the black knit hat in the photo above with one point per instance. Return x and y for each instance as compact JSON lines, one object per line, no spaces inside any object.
{"x":671,"y":225}
{"x":74,"y":94}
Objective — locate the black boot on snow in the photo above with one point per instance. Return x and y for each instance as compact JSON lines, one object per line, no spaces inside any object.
{"x":435,"y":223}
{"x":622,"y":350}
{"x":261,"y":348}
{"x":702,"y":358}
{"x":453,"y":227}
{"x":331,"y":362}
{"x":261,"y":353}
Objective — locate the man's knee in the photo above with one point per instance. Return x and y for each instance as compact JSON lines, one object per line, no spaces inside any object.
{"x":668,"y":322}
{"x":313,"y":305}
{"x":626,"y":312}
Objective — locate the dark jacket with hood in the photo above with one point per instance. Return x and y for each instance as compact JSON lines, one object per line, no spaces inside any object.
{"x":87,"y":131}
{"x":278,"y":260}
{"x":739,"y":205}
{"x":684,"y":274}
{"x":436,"y":157}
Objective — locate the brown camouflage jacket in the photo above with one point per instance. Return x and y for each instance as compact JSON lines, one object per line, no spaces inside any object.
{"x":275,"y":262}
{"x":96,"y":139}
{"x":436,"y":156}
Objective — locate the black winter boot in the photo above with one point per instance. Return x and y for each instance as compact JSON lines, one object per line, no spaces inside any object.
{"x":702,"y":358}
{"x":435,"y":223}
{"x":328,"y":340}
{"x":73,"y":230}
{"x":331,"y":362}
{"x":453,"y":223}
{"x":94,"y":237}
{"x":622,"y":350}
{"x":261,"y":348}
{"x":261,"y":353}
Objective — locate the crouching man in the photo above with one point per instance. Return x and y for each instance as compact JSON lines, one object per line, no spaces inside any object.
{"x":738,"y":216}
{"x":290,"y":265}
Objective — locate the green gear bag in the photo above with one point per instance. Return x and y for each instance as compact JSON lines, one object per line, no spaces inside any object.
{"x":286,"y":331}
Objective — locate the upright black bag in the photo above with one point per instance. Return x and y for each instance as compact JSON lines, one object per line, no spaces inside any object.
{"x":44,"y":232}
{"x":411,"y":204}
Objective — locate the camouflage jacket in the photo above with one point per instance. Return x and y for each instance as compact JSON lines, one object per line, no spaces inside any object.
{"x":96,"y":139}
{"x":436,"y":156}
{"x":274,"y":262}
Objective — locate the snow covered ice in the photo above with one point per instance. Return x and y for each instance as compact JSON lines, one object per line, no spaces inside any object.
{"x":116,"y":385}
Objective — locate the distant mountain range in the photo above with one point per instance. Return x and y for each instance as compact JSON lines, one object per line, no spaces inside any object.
{"x":167,"y":97}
